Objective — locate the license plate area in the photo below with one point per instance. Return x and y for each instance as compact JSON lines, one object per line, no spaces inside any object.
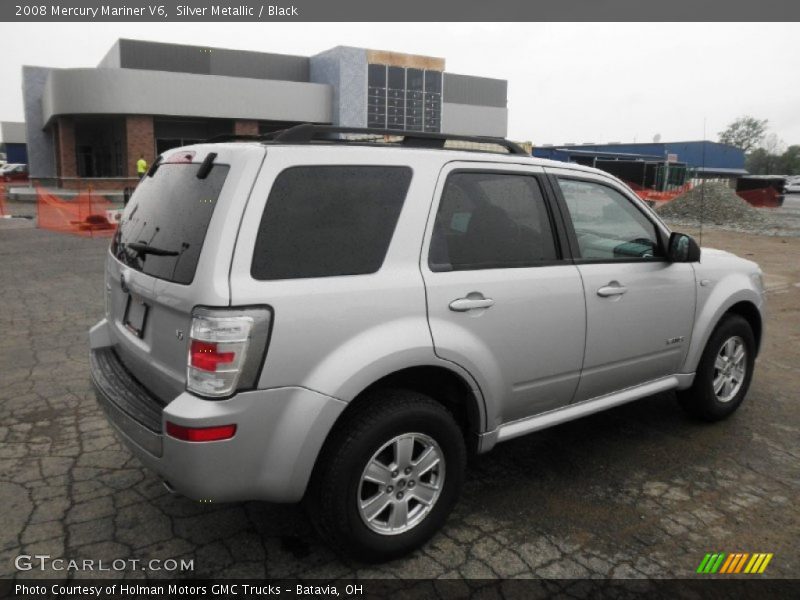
{"x":135,"y":315}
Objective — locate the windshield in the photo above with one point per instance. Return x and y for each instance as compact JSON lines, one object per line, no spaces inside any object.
{"x":164,"y":226}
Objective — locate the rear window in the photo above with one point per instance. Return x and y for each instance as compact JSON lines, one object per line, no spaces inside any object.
{"x":321,"y":221}
{"x":169,"y":213}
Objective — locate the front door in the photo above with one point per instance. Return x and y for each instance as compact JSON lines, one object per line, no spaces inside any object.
{"x":502,"y":302}
{"x":639,"y":306}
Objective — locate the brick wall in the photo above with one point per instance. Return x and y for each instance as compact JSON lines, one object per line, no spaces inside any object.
{"x":99,"y":183}
{"x":140,"y":141}
{"x":67,"y":162}
{"x":245,"y":128}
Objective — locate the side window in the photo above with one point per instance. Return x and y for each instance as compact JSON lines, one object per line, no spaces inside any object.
{"x":322,"y":221}
{"x":607,"y":224}
{"x":491,"y":221}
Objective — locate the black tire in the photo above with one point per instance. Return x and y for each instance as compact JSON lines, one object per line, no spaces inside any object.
{"x":332,"y":500}
{"x":700,"y":400}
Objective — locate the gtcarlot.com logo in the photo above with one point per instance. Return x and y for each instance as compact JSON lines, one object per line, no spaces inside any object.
{"x":734,"y":563}
{"x":43,"y":562}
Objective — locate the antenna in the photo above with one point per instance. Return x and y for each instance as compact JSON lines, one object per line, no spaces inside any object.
{"x":703,"y":186}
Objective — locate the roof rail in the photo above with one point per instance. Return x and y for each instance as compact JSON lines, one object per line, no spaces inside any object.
{"x":308,"y":133}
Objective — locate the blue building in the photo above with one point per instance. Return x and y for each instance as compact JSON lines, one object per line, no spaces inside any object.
{"x":702,"y":159}
{"x":13,"y":142}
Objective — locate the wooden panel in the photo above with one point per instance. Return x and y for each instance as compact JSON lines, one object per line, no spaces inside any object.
{"x":398,"y":59}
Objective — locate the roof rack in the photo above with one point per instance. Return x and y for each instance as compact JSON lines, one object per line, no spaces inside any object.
{"x":308,"y":133}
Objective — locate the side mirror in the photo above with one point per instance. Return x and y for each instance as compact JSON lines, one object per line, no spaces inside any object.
{"x":682,"y":248}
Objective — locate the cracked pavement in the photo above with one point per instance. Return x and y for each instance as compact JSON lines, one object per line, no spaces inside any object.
{"x":636,"y":492}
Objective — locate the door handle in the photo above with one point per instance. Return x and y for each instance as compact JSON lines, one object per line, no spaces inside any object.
{"x":471,"y":303}
{"x":612,"y":289}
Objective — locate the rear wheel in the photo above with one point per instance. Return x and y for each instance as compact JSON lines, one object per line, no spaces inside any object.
{"x":724,"y":373}
{"x":388,"y":477}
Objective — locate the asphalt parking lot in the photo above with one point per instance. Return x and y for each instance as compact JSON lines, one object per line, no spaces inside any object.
{"x":639,"y":491}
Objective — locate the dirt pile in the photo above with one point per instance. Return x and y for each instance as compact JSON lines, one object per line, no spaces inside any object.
{"x":716,"y":203}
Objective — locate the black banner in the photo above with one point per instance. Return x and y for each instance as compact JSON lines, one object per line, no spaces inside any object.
{"x":445,"y":589}
{"x":406,"y":10}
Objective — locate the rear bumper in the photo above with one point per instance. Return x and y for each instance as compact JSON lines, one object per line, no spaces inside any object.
{"x":278,"y":437}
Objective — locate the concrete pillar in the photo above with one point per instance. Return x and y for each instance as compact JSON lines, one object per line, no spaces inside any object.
{"x":67,"y":159}
{"x":140,"y":140}
{"x":245,"y":127}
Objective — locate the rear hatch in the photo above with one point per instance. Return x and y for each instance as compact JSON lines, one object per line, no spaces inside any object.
{"x":171,"y":253}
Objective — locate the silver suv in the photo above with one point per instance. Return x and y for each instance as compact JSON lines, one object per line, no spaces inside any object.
{"x":308,"y":316}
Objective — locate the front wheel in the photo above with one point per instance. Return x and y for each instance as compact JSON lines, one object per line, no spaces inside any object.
{"x":724,"y":373}
{"x":389,"y":475}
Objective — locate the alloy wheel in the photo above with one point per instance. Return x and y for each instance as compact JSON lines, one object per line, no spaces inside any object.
{"x":730,"y":368}
{"x":401,"y":483}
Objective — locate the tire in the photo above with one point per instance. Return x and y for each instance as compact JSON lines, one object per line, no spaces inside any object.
{"x":383,"y":424}
{"x":702,"y":401}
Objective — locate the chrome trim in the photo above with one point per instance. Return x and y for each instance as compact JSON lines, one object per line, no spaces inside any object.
{"x":575,"y":411}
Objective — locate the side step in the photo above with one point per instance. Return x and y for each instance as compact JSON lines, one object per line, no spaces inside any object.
{"x":582,"y":409}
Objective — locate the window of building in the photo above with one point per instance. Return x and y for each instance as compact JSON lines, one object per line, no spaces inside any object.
{"x":324,"y":221}
{"x":100,"y":147}
{"x":491,"y":221}
{"x":433,"y":101}
{"x":607,"y":224}
{"x":175,"y":133}
{"x":415,"y":91}
{"x":405,"y":99}
{"x":376,"y":96}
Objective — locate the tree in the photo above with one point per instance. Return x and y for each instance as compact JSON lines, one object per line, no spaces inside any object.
{"x":790,"y":161}
{"x":758,"y":162}
{"x":763,"y":161}
{"x":745,"y":133}
{"x":773,"y":144}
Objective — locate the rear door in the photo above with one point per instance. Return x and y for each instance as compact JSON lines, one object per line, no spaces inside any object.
{"x":503,"y":301}
{"x":172,"y":251}
{"x":639,"y":306}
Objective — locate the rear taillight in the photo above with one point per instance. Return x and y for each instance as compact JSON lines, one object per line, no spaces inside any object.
{"x":208,"y":357}
{"x":226,"y":349}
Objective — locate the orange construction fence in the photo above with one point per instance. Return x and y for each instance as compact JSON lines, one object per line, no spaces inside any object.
{"x":647,"y":194}
{"x":3,"y":188}
{"x":87,"y":214}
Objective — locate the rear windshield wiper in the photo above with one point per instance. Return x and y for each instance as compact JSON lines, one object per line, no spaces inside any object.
{"x":141,"y":248}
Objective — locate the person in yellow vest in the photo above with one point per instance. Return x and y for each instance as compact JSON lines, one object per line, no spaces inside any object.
{"x":141,"y":166}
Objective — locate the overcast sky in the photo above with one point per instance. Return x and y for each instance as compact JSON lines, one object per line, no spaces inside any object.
{"x":567,"y":82}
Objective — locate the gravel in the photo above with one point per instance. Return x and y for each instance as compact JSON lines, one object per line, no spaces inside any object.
{"x":715,"y":203}
{"x":720,"y":208}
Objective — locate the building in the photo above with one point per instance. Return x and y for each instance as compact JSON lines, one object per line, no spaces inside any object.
{"x":146,"y":97}
{"x":13,"y":142}
{"x":702,"y":159}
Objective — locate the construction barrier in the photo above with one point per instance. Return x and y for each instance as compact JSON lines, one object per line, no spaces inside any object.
{"x":3,"y":198}
{"x":656,"y":196}
{"x":87,"y":214}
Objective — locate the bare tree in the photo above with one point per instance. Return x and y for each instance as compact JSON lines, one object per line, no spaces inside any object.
{"x":745,"y":133}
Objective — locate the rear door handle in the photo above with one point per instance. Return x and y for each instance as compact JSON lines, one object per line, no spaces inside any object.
{"x":471,"y":303}
{"x":612,"y":289}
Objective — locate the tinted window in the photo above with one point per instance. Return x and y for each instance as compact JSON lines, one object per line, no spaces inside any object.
{"x":397,"y":78}
{"x":607,"y":224}
{"x":325,"y":221}
{"x":377,"y":76}
{"x":169,"y":212}
{"x":433,"y":81}
{"x":490,"y":221}
{"x":414,"y":79}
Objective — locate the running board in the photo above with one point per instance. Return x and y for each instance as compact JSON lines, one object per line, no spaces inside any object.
{"x":576,"y":411}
